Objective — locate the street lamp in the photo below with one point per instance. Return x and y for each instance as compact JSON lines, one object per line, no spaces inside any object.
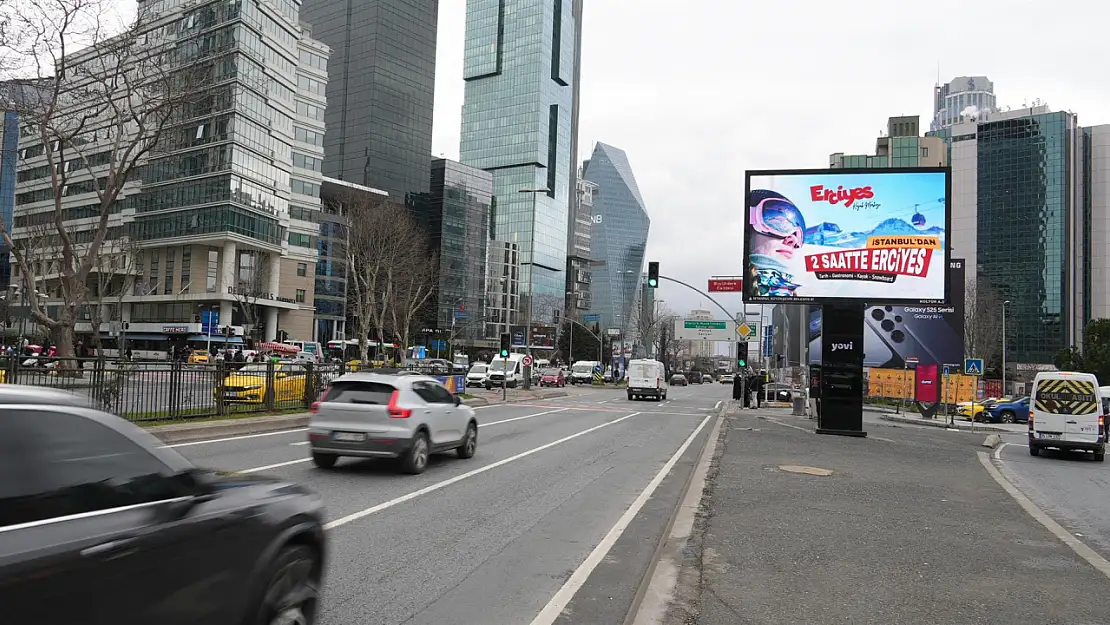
{"x":1004,"y":347}
{"x":531,"y":289}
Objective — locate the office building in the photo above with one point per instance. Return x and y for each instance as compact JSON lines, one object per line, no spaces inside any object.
{"x":619,"y":235}
{"x":380,"y":90}
{"x":330,"y":298}
{"x":9,"y":150}
{"x":579,"y":261}
{"x":700,"y":349}
{"x":899,"y":147}
{"x":221,"y":220}
{"x":961,"y":99}
{"x":456,"y":216}
{"x":502,"y":287}
{"x":1096,"y":238}
{"x":517,"y":123}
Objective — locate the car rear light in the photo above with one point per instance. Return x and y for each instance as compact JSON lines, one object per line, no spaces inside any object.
{"x":1102,"y":425}
{"x":395,"y":411}
{"x":1030,"y":420}
{"x":314,"y":407}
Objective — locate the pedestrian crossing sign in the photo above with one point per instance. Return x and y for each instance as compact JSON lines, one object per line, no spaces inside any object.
{"x":973,"y":366}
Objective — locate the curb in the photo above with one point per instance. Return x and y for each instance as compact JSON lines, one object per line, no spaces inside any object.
{"x":941,"y":424}
{"x":188,"y":432}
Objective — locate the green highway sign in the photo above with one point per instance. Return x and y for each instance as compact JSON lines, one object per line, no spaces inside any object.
{"x":690,"y":324}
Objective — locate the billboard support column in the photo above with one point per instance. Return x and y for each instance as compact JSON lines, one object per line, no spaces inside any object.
{"x":842,"y":370}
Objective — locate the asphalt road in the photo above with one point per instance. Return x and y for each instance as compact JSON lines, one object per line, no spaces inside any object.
{"x":1071,"y":488}
{"x":496,"y":546}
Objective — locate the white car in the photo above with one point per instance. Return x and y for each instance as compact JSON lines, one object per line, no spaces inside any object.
{"x":477,"y":374}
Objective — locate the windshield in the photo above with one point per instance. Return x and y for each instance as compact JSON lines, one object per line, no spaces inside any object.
{"x":551,"y":372}
{"x":639,"y":371}
{"x":582,"y":368}
{"x":255,"y":369}
{"x":478,"y":369}
{"x":500,"y":365}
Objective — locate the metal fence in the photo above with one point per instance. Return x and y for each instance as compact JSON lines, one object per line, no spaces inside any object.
{"x":157,"y":391}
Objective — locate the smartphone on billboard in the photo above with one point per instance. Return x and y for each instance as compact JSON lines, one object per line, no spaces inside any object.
{"x":927,"y":337}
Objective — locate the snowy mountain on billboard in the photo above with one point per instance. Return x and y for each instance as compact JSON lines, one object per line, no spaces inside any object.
{"x":831,"y":235}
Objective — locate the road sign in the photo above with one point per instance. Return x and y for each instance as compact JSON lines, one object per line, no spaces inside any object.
{"x":613,"y":331}
{"x":748,"y":329}
{"x":912,"y":360}
{"x":725,"y":285}
{"x":768,"y":342}
{"x":461,"y":315}
{"x":946,"y":371}
{"x":526,"y":361}
{"x":702,"y":330}
{"x":973,"y":366}
{"x":591,"y":318}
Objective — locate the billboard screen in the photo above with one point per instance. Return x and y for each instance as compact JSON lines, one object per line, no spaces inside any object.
{"x":932,"y":333}
{"x":877,"y":236}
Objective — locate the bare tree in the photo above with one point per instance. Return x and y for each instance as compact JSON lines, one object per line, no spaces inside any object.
{"x":96,"y":104}
{"x":648,"y":321}
{"x":252,"y":288}
{"x":412,"y":284}
{"x":115,"y":273}
{"x":544,"y":307}
{"x":982,"y":321}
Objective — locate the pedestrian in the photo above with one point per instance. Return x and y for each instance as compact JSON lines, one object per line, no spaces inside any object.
{"x":738,"y":387}
{"x":758,"y":387}
{"x":128,"y":354}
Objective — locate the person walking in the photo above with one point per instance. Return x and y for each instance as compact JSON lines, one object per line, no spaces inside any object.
{"x":758,"y":388}
{"x":737,"y":387}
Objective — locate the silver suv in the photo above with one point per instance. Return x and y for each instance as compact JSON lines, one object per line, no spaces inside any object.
{"x":375,"y":415}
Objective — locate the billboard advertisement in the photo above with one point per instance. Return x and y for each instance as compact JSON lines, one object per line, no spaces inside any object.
{"x":934,"y":334}
{"x":877,"y":236}
{"x":543,"y":337}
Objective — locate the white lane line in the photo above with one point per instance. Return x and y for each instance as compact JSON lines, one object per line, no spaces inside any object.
{"x":998,"y":451}
{"x":1079,"y":547}
{"x":458,"y":478}
{"x":562,"y":598}
{"x":236,"y":438}
{"x":717,"y":406}
{"x":274,"y":466}
{"x":298,"y":444}
{"x":527,"y":416}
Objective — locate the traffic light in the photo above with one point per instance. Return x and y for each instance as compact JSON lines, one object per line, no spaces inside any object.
{"x":653,"y":274}
{"x":505,"y":343}
{"x":741,"y":355}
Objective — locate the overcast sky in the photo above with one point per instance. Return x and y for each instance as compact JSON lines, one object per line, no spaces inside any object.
{"x":698,"y":91}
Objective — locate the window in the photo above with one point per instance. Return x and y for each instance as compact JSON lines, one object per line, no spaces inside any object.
{"x":433,"y":393}
{"x":300,"y":240}
{"x":186,"y":267}
{"x":301,"y":296}
{"x":924,"y":152}
{"x":171,"y":260}
{"x":360,"y":393}
{"x":67,"y":464}
{"x":210,"y":278}
{"x":304,"y":187}
{"x":302,"y":269}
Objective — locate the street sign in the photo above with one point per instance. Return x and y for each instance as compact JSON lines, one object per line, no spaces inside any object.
{"x":748,"y":329}
{"x":703,"y":330}
{"x":461,"y":315}
{"x":768,"y":342}
{"x":591,"y":318}
{"x":912,"y":360}
{"x":946,"y":371}
{"x":613,"y":331}
{"x":526,"y":361}
{"x":973,"y":366}
{"x":725,"y":285}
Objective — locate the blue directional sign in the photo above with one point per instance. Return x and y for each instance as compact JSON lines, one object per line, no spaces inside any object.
{"x":946,"y":371}
{"x":973,"y":366}
{"x":209,"y":321}
{"x":461,"y":315}
{"x":591,"y":318}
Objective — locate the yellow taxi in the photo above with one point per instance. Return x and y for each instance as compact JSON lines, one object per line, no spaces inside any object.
{"x":249,"y":384}
{"x":965,"y":410}
{"x":199,"y":357}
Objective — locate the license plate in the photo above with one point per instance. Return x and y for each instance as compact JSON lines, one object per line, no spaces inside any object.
{"x":1051,"y":437}
{"x":351,"y":437}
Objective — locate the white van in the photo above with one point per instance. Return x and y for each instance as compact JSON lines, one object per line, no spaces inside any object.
{"x":510,"y":373}
{"x":1066,"y":412}
{"x":646,"y":378}
{"x":583,"y":371}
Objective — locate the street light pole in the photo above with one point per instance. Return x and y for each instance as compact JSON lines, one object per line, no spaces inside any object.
{"x":1004,"y":347}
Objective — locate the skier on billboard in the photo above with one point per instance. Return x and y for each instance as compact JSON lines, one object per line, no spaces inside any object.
{"x":776,"y":232}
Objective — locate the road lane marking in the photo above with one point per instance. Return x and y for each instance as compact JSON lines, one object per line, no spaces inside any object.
{"x":562,"y":598}
{"x":458,"y":478}
{"x":236,"y":438}
{"x":717,"y":406}
{"x":274,"y":466}
{"x":299,"y":443}
{"x":527,"y":416}
{"x":789,"y":425}
{"x":1079,"y":547}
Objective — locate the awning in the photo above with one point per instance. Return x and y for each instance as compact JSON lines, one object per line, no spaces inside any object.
{"x":137,"y":337}
{"x":279,"y":347}
{"x":216,"y":338}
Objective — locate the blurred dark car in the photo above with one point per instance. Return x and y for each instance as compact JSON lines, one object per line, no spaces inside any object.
{"x":679,"y":380}
{"x":778,"y":392}
{"x":695,"y":378}
{"x":101,"y":524}
{"x":553,"y":377}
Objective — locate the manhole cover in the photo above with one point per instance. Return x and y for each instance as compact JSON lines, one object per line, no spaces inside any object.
{"x":789,"y":468}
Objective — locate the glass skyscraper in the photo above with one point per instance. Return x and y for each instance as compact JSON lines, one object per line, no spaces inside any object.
{"x":619,"y":236}
{"x":519,"y":67}
{"x":9,"y":147}
{"x":963,"y":96}
{"x":380,"y":90}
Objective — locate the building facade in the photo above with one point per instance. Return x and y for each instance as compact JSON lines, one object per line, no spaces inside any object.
{"x":219,"y":225}
{"x":619,"y":236}
{"x":900,"y":147}
{"x":963,"y":97}
{"x":9,"y":151}
{"x":517,"y":123}
{"x":579,"y":260}
{"x":502,"y":287}
{"x":380,"y":90}
{"x":456,"y":216}
{"x":1096,"y":238}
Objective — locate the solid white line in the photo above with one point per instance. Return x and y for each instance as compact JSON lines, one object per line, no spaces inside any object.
{"x":554,"y":608}
{"x":717,"y":406}
{"x":274,"y":466}
{"x":529,"y":416}
{"x":458,"y":478}
{"x":1081,"y":549}
{"x":298,"y":444}
{"x":237,"y":438}
{"x":998,"y":451}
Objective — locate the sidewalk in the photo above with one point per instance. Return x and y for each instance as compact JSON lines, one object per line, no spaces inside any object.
{"x":909,"y":529}
{"x":961,"y":424}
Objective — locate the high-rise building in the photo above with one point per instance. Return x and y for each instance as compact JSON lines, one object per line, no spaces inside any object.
{"x":502,"y":287}
{"x":900,"y":147}
{"x":455,"y":214}
{"x":221,"y":220}
{"x":380,"y":90}
{"x":1096,"y":238}
{"x":963,"y":97}
{"x":517,"y":123}
{"x":579,"y":262}
{"x":9,"y":150}
{"x":701,"y":348}
{"x":619,"y":236}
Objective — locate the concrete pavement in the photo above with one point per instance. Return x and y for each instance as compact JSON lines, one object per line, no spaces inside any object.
{"x":577,"y":488}
{"x":907,"y":527}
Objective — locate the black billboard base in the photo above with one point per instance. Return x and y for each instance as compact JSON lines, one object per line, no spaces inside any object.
{"x":856,"y":433}
{"x":841,"y":370}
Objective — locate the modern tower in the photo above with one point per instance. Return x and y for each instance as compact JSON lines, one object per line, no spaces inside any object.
{"x":380,"y":90}
{"x":966,"y":96}
{"x":517,"y":123}
{"x":619,"y":236}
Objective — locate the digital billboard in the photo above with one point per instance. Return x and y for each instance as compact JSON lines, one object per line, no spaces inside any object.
{"x":931,"y":333}
{"x":877,"y":236}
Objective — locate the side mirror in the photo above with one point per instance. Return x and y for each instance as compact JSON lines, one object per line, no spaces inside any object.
{"x":458,"y":400}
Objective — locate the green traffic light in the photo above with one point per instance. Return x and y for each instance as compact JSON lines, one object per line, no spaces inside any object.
{"x":504,"y":353}
{"x":653,"y":283}
{"x":743,"y":363}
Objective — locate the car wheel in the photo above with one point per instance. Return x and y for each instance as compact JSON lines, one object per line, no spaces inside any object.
{"x":324,"y":461}
{"x":291,"y":594}
{"x":470,"y":442}
{"x":1100,"y":456}
{"x":1034,"y":450}
{"x":630,"y":397}
{"x":415,"y":459}
{"x":1008,"y":416}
